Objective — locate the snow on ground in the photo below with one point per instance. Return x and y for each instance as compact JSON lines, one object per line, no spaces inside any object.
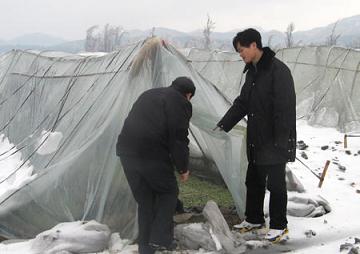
{"x":341,"y":188}
{"x":325,"y":234}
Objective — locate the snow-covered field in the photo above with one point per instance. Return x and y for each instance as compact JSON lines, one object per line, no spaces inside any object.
{"x":324,"y":234}
{"x":341,"y":188}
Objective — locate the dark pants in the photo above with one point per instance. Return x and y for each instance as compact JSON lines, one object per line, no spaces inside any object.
{"x":256,"y":180}
{"x":154,"y":187}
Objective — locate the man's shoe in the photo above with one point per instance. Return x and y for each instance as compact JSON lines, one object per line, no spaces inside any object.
{"x":276,"y":235}
{"x":245,"y":226}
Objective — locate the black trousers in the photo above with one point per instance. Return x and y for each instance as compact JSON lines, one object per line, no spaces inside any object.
{"x":272,"y":177}
{"x":154,"y":187}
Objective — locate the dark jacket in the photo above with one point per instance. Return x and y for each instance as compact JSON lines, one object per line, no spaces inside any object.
{"x":157,"y":128}
{"x":268,"y":99}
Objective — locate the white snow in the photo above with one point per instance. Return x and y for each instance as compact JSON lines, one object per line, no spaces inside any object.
{"x":14,"y":173}
{"x":340,"y":188}
{"x":324,"y":234}
{"x":49,"y":142}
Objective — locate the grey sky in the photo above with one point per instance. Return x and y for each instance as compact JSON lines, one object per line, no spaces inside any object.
{"x":70,"y":18}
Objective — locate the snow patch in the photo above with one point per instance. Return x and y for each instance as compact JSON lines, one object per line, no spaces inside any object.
{"x":49,"y":142}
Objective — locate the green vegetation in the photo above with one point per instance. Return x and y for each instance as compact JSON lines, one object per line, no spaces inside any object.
{"x":196,"y":192}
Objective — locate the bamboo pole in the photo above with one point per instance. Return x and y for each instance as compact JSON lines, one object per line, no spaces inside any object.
{"x":322,"y":178}
{"x":345,"y":141}
{"x":346,"y":136}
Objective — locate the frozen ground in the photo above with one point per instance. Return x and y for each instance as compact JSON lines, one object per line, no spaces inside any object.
{"x":325,"y":234}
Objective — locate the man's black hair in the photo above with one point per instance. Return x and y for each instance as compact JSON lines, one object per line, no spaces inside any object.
{"x":184,"y":85}
{"x":246,"y":37}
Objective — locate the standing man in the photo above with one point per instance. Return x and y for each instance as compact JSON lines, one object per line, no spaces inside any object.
{"x":153,"y":140}
{"x":268,"y":99}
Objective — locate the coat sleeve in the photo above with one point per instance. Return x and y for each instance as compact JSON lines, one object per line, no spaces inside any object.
{"x":236,"y":112}
{"x":178,"y":113}
{"x":284,"y":117}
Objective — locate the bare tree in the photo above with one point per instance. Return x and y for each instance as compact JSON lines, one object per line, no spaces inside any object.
{"x":355,"y":43}
{"x":210,"y":26}
{"x":289,"y":39}
{"x":90,"y":41}
{"x":333,"y":38}
{"x":107,"y":40}
{"x":269,"y":40}
{"x":153,"y":32}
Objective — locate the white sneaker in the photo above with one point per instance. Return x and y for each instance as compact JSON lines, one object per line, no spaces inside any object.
{"x":275,"y":235}
{"x":247,"y":226}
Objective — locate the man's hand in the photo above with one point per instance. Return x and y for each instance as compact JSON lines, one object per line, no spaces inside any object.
{"x":219,"y":126}
{"x":184,"y":177}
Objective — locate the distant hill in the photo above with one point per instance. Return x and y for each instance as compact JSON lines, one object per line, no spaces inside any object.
{"x":39,"y":39}
{"x":347,"y":28}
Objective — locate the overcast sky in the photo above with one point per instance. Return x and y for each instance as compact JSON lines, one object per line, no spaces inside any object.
{"x":69,"y":19}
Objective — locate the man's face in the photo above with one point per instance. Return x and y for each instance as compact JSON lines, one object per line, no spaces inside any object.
{"x":247,"y":53}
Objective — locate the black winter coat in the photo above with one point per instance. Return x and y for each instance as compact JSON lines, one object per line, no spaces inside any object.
{"x":268,"y":99}
{"x":157,"y":128}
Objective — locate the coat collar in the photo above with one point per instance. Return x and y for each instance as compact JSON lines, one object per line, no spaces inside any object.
{"x":264,"y":61}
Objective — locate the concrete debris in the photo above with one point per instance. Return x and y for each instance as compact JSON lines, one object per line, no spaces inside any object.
{"x":304,"y":155}
{"x":301,"y":145}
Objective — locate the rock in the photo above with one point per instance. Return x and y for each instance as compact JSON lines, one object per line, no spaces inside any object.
{"x":342,"y":168}
{"x":358,"y":191}
{"x":348,"y":152}
{"x":301,"y":145}
{"x":292,"y":182}
{"x":355,"y":250}
{"x":357,"y":240}
{"x":194,"y":236}
{"x":338,"y":142}
{"x":325,"y":147}
{"x":345,"y":246}
{"x":341,"y":178}
{"x":220,"y":230}
{"x":359,"y":152}
{"x":304,"y":155}
{"x":310,"y":233}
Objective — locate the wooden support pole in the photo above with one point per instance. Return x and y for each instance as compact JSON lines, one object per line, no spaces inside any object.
{"x":322,"y":178}
{"x":345,"y":141}
{"x":346,"y":136}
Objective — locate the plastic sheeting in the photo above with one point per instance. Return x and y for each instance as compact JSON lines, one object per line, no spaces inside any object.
{"x":84,"y":101}
{"x":327,"y":81}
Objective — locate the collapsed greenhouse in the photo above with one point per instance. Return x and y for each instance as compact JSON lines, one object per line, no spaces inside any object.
{"x":82,"y":102}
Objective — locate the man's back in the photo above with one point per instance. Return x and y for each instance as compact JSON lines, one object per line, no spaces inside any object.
{"x":146,"y":129}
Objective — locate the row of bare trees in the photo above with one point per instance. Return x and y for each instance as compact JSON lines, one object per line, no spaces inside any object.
{"x":331,"y":40}
{"x":105,"y":40}
{"x":111,"y":38}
